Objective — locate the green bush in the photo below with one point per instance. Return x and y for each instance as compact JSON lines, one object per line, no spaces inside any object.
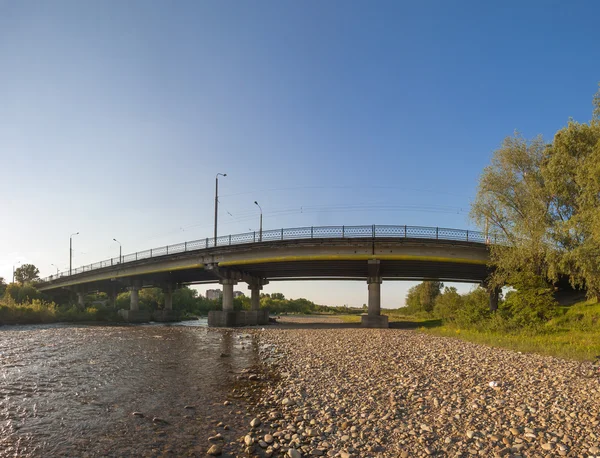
{"x":448,"y":304}
{"x":529,"y":308}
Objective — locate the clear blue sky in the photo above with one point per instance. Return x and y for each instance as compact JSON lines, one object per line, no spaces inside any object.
{"x":115,"y":116}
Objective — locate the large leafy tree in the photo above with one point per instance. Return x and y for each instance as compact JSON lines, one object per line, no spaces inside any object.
{"x":27,"y":273}
{"x":512,"y":205}
{"x":422,"y":297}
{"x":2,"y":286}
{"x":572,"y":176}
{"x":542,"y":202}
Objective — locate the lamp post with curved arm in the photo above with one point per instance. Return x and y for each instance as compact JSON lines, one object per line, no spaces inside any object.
{"x":260,"y":232}
{"x":217,"y":201}
{"x":120,"y":251}
{"x":71,"y":252}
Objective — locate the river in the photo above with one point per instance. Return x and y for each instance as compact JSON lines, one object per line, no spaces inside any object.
{"x":71,"y":390}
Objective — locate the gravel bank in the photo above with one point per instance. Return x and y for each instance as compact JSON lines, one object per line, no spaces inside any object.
{"x":391,"y":393}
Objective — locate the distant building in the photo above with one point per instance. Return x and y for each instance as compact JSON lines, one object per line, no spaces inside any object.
{"x":214,"y":294}
{"x":237,"y":294}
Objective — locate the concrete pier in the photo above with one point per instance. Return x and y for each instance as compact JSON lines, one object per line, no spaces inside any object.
{"x":167,"y":313}
{"x":228,"y":294}
{"x":231,"y":318}
{"x":374,"y":319}
{"x":134,"y":314}
{"x":134,"y":299}
{"x":81,"y":299}
{"x":255,"y":296}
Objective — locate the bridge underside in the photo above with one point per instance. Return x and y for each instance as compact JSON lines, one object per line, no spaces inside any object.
{"x":364,"y":260}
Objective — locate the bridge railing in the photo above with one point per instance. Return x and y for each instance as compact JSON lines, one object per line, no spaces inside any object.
{"x":298,"y":233}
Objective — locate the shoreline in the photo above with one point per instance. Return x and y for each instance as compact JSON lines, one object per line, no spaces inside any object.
{"x":364,"y":392}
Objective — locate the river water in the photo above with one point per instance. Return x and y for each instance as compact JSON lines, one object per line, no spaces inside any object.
{"x":71,"y":390}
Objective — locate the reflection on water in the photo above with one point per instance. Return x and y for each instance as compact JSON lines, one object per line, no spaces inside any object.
{"x":68,"y":390}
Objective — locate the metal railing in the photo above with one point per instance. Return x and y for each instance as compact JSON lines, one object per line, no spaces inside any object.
{"x":298,"y":233}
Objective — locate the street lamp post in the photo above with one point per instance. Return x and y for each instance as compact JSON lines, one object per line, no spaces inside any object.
{"x":54,"y":265}
{"x":120,"y":251}
{"x":71,"y":252}
{"x":217,"y":202}
{"x":260,"y":231}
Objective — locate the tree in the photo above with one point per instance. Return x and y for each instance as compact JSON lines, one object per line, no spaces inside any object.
{"x":2,"y":286}
{"x":572,"y":175}
{"x":27,"y":273}
{"x":542,"y":202}
{"x":448,"y":304}
{"x":422,"y":297}
{"x":512,"y":205}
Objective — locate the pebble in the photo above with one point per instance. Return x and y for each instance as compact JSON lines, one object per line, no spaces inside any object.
{"x":366,"y":392}
{"x":255,"y":423}
{"x":215,"y":450}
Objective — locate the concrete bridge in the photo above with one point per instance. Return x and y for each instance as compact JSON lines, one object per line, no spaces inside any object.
{"x":366,"y":253}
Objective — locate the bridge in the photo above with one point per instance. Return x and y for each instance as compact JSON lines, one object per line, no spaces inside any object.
{"x":366,"y":253}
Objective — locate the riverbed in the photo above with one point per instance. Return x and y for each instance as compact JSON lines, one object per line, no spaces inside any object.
{"x":72,"y":390}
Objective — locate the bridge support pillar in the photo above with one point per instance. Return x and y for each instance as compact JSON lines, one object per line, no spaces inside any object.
{"x":134,"y":314}
{"x":255,"y":297}
{"x":228,"y":293}
{"x":229,"y":317}
{"x":134,"y":299}
{"x":113,"y":297}
{"x":168,"y":293}
{"x":167,"y":314}
{"x":81,"y":299}
{"x":374,"y":319}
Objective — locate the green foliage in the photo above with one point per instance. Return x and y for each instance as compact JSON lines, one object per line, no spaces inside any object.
{"x":21,"y":293}
{"x":40,"y":311}
{"x":422,"y":297}
{"x":27,"y":273}
{"x":573,"y":333}
{"x":151,"y":298}
{"x":475,"y":311}
{"x":3,"y":286}
{"x":448,"y":304}
{"x":528,"y":308}
{"x":543,"y":200}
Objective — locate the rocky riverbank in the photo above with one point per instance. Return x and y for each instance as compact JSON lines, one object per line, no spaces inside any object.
{"x":390,"y":393}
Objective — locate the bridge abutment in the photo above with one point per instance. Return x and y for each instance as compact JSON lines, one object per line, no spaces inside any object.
{"x":134,"y":314}
{"x":167,"y":313}
{"x":374,"y":318}
{"x":228,"y":317}
{"x":228,"y":293}
{"x":81,"y":299}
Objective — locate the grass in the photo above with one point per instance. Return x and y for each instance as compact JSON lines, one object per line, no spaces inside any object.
{"x":398,"y":319}
{"x":574,"y":334}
